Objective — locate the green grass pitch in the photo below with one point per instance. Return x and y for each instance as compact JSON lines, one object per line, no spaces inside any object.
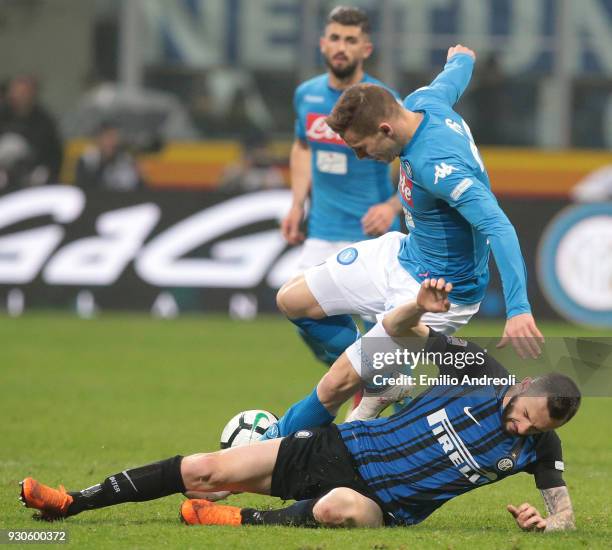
{"x":80,"y":400}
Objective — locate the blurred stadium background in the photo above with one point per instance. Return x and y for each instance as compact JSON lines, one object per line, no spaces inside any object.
{"x":196,"y":95}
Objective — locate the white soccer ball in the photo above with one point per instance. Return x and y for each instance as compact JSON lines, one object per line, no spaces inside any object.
{"x":246,"y":427}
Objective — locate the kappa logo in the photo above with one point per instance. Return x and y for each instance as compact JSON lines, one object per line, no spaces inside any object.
{"x":318,"y":130}
{"x":442,"y":170}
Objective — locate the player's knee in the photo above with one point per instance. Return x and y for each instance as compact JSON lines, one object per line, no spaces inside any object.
{"x":202,"y":471}
{"x":328,"y":513}
{"x":284,"y":300}
{"x":343,"y":507}
{"x":295,"y":300}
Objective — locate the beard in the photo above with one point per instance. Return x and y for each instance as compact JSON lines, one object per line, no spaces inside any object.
{"x":507,"y":412}
{"x":342,"y":73}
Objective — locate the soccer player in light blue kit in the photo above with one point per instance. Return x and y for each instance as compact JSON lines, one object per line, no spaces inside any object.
{"x":453,"y":219}
{"x":350,"y":200}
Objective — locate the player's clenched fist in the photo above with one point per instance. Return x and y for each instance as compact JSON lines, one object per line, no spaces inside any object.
{"x":527,"y":517}
{"x":459,"y":49}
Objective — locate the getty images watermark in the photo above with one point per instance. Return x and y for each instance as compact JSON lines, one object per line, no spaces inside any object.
{"x":452,"y":361}
{"x":403,"y":361}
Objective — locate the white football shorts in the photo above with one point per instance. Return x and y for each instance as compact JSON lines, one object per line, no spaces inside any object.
{"x":366,"y":278}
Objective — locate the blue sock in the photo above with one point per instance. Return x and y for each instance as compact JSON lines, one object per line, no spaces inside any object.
{"x":327,"y":337}
{"x":307,"y":413}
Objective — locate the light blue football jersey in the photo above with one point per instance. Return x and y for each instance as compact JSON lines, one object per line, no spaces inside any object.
{"x":343,"y":187}
{"x":451,"y":214}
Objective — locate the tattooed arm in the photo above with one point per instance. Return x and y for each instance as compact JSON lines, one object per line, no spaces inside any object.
{"x":558,"y":505}
{"x":559,"y":509}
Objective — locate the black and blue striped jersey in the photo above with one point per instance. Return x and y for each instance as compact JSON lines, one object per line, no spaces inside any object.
{"x":446,"y":442}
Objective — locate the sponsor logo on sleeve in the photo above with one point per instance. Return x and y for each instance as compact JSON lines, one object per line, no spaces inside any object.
{"x":461,"y":188}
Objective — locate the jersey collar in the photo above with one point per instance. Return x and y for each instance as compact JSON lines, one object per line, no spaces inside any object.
{"x":415,"y":137}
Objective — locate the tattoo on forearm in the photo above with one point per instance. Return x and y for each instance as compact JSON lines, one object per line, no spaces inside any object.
{"x":559,"y":508}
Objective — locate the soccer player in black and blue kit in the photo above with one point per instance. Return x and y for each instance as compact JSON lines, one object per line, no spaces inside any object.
{"x":393,"y":471}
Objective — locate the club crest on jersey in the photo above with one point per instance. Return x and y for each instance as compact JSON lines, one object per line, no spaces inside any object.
{"x":318,"y":130}
{"x":347,"y":256}
{"x":505,"y":464}
{"x":405,"y":182}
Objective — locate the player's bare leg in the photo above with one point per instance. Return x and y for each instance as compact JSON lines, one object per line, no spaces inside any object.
{"x":295,"y":300}
{"x":338,"y":384}
{"x":238,"y":469}
{"x":248,"y":469}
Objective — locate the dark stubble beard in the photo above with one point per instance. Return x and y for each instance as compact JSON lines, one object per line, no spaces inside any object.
{"x":507,"y":412}
{"x":345,"y":72}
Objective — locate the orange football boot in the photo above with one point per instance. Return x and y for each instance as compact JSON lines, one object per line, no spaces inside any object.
{"x":52,"y":503}
{"x":197,"y":511}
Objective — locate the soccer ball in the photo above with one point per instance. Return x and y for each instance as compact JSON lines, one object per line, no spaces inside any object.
{"x":245,"y":427}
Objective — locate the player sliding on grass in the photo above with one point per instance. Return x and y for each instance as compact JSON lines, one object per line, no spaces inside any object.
{"x":451,"y":214}
{"x":391,"y":471}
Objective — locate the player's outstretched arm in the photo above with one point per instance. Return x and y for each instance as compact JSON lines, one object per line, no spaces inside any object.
{"x":560,"y":512}
{"x":454,"y":79}
{"x":405,"y":320}
{"x":299,"y":165}
{"x":479,"y":207}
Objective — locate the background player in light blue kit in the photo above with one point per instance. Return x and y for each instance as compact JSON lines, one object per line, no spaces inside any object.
{"x":452,"y":216}
{"x":350,"y":200}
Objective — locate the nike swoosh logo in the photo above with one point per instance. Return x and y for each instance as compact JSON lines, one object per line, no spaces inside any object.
{"x":258,"y":417}
{"x":466,"y":410}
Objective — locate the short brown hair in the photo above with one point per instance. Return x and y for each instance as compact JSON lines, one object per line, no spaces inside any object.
{"x":349,"y":16}
{"x":562,"y":393}
{"x":361,"y":108}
